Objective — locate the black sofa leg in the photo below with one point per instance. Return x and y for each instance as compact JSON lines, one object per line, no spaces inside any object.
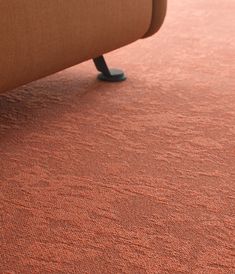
{"x":108,"y":75}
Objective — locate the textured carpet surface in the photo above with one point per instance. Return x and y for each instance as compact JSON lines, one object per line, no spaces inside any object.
{"x":136,"y":177}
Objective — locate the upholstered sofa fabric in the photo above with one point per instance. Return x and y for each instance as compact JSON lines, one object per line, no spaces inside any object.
{"x":158,"y":16}
{"x":39,"y":38}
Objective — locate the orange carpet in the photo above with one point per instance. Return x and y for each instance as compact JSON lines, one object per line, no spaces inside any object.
{"x":137,"y":177}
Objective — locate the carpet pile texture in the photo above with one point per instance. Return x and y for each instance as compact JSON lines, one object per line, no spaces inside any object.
{"x":137,"y":177}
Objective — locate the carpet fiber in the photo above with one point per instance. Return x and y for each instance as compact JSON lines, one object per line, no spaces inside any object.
{"x":136,"y":177}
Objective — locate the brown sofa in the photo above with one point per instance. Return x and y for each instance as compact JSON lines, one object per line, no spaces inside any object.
{"x":38,"y":38}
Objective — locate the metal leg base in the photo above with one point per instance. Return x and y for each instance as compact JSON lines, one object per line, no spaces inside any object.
{"x":108,"y":75}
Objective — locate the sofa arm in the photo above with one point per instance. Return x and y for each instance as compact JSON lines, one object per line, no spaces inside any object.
{"x":159,"y":13}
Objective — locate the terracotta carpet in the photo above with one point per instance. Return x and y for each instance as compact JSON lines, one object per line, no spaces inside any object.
{"x":137,"y":177}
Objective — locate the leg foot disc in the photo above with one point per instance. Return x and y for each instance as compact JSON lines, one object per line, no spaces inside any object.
{"x":116,"y":75}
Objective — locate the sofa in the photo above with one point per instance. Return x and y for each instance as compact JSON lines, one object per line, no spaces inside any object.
{"x":41,"y":37}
